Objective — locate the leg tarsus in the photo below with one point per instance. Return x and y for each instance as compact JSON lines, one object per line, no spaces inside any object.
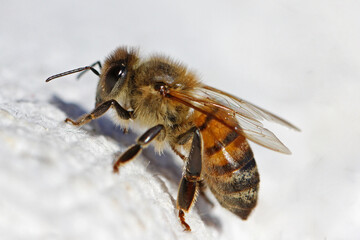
{"x":81,"y":121}
{"x":70,"y":120}
{"x":183,"y":222}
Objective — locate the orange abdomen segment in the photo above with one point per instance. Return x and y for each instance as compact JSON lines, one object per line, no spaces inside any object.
{"x":229,"y":167}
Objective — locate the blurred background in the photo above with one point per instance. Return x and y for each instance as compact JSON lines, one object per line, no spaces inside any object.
{"x":297,"y":59}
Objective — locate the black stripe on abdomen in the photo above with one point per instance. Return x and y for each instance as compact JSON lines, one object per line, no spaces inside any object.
{"x":234,"y":165}
{"x":230,"y":137}
{"x":241,"y":179}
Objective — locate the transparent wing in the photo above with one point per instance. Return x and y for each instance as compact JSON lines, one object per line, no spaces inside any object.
{"x":242,"y":107}
{"x":235,"y":113}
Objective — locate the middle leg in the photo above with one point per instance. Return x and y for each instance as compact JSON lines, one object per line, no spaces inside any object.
{"x":143,"y":140}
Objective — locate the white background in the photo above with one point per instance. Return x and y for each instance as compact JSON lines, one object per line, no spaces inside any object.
{"x":298,"y":59}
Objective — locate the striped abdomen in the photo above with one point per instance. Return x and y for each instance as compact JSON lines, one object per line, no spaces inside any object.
{"x":229,"y":167}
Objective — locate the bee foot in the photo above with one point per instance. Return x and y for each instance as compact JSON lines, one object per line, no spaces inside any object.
{"x":182,"y":220}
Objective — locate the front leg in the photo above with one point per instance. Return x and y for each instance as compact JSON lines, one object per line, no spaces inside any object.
{"x":190,"y":181}
{"x":101,"y":110}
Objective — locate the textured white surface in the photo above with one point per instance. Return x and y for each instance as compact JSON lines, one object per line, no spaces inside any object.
{"x":299,"y":59}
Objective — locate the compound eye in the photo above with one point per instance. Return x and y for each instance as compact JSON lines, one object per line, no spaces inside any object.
{"x":122,"y":72}
{"x":116,"y":74}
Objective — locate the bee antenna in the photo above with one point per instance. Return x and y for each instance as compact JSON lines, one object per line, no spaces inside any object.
{"x":92,"y":65}
{"x":73,"y":71}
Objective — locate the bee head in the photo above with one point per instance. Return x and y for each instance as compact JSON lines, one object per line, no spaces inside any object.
{"x":115,"y":74}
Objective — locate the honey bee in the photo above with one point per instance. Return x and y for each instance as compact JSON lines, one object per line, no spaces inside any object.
{"x":206,"y":127}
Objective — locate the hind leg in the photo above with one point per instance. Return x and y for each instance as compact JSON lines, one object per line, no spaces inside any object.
{"x":190,"y":181}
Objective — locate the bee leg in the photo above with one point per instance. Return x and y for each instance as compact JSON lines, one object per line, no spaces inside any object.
{"x":182,"y":156}
{"x":191,"y":178}
{"x":181,"y":140}
{"x":99,"y":111}
{"x":185,"y":137}
{"x":143,"y":140}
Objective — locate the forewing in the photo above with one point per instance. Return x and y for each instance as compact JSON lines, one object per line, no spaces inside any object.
{"x":243,"y":107}
{"x":237,"y":114}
